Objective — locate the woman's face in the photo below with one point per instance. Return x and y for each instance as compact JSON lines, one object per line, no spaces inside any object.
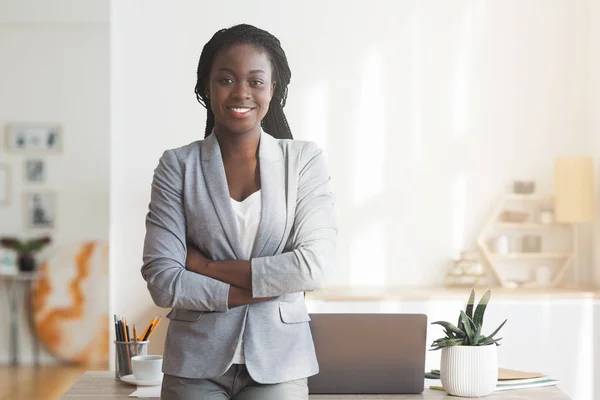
{"x":240,"y":88}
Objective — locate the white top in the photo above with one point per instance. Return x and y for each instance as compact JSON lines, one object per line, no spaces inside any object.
{"x":247,"y":217}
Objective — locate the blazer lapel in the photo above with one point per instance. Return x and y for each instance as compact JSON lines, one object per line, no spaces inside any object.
{"x":216,"y":182}
{"x":273,"y":195}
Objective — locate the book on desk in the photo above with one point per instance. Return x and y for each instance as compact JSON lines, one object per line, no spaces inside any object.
{"x":508,"y":379}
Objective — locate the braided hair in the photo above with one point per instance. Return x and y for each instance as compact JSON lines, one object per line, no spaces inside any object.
{"x":275,"y":123}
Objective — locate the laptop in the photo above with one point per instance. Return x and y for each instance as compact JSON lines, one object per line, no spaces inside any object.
{"x":369,"y":353}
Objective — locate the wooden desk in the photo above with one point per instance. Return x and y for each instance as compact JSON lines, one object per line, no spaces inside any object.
{"x":101,"y":385}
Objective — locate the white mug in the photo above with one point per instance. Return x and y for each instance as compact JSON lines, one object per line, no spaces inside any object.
{"x":147,"y":367}
{"x":543,"y":275}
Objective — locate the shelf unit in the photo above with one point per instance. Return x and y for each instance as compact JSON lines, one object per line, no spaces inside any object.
{"x":530,"y":225}
{"x":530,"y":256}
{"x":494,"y":224}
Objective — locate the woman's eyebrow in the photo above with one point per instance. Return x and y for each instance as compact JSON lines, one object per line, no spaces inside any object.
{"x":225,"y":69}
{"x":254,"y":71}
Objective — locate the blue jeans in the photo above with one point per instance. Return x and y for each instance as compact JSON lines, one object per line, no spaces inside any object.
{"x":235,"y":384}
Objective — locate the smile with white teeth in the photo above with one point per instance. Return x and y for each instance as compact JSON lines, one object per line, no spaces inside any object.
{"x":240,"y":110}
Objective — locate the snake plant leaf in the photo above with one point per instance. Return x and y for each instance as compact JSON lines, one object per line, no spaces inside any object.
{"x":469,"y":328}
{"x":467,"y":331}
{"x":480,"y":310}
{"x":453,"y":342}
{"x":489,"y":340}
{"x":447,"y":343}
{"x":477,"y":330}
{"x":469,"y":309}
{"x":449,"y":326}
{"x":497,"y":329}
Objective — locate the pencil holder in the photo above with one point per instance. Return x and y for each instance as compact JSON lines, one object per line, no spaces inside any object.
{"x":123,"y":353}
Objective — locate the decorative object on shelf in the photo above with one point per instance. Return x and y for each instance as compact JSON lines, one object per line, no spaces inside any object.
{"x":466,"y":271}
{"x":26,"y":250}
{"x":546,"y":216}
{"x":4,"y":184}
{"x":40,"y":210}
{"x":531,"y":244}
{"x":34,"y":138}
{"x":523,"y":187}
{"x":511,"y":284}
{"x":529,"y":252}
{"x":574,"y":185}
{"x":514,"y":216}
{"x":35,"y":171}
{"x":469,"y":362}
{"x":73,"y":325}
{"x":501,"y":245}
{"x":543,"y":275}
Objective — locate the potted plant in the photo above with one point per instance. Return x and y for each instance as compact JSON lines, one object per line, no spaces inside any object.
{"x":469,"y":362}
{"x":25,"y":250}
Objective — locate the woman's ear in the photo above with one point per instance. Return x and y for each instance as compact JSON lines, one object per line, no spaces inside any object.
{"x":206,"y":89}
{"x":273,"y":85}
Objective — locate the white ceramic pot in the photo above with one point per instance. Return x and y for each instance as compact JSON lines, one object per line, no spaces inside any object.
{"x":469,"y":371}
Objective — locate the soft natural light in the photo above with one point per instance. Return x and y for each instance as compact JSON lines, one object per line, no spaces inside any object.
{"x":459,"y":213}
{"x":315,"y":117}
{"x":369,"y":137}
{"x":368,"y":256}
{"x":389,"y":307}
{"x":462,"y":77}
{"x":584,"y":359}
{"x":416,"y":89}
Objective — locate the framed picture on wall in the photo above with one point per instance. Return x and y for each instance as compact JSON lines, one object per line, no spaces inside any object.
{"x":35,"y":171}
{"x":34,"y":138}
{"x":40,"y":210}
{"x":4,"y":184}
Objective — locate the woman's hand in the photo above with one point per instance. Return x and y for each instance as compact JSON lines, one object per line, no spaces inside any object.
{"x":195,"y":260}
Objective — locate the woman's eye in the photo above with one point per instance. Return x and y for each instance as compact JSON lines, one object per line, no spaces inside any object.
{"x":226,"y":81}
{"x":256,"y":83}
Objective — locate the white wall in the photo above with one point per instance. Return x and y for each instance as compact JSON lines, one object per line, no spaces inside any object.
{"x":594,"y":121}
{"x":593,"y":96}
{"x":55,"y":68}
{"x":427,"y":111}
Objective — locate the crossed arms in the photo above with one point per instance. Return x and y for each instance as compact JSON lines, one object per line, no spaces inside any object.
{"x":181,"y":277}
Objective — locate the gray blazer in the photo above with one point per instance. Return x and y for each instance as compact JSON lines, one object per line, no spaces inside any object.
{"x":293,"y":252}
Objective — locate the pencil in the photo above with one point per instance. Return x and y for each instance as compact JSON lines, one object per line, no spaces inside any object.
{"x":146,"y":330}
{"x":121,"y":356}
{"x":127,"y":349}
{"x":154,"y":327}
{"x":147,"y":335}
{"x":121,"y":335}
{"x":134,"y":334}
{"x":125,"y":333}
{"x":116,"y":327}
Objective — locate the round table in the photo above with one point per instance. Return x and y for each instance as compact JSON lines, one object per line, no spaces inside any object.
{"x":16,"y":302}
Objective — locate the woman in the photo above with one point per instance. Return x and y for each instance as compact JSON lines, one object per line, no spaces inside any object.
{"x":239,"y":226}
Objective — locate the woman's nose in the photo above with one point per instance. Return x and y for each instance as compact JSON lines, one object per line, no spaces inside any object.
{"x":241,"y":91}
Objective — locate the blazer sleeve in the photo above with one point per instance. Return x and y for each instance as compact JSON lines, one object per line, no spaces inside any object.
{"x":165,"y":248}
{"x":314,"y":235}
